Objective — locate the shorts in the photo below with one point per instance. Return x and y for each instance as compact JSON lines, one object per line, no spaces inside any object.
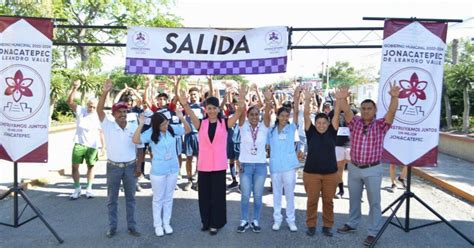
{"x":179,"y":145}
{"x":233,"y":151}
{"x":343,"y":153}
{"x":82,"y":152}
{"x":191,"y":144}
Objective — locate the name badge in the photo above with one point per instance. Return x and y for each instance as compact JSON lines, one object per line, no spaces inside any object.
{"x":282,"y":136}
{"x":147,"y":121}
{"x":343,"y":131}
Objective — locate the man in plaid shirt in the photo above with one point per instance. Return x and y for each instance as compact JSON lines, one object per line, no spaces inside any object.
{"x":367,"y":136}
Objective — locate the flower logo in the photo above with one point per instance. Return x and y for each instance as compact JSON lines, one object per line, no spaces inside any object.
{"x":413,"y":89}
{"x":18,"y":86}
{"x":273,"y":38}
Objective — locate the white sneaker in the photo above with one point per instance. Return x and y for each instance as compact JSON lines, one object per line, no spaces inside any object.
{"x":276,"y":226}
{"x":89,"y":194}
{"x":159,"y":231}
{"x":168,"y":229}
{"x":76,"y":194}
{"x":292,"y":226}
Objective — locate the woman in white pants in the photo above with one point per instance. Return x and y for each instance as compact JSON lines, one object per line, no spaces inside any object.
{"x":283,"y":164}
{"x":164,"y":165}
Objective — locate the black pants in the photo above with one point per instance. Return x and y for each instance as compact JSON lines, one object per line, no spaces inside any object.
{"x":212,"y":198}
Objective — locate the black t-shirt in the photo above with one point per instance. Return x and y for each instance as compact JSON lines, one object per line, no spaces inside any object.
{"x":212,"y":128}
{"x":321,"y":158}
{"x":341,"y":140}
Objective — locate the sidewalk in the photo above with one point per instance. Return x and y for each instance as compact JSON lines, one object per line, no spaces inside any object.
{"x":452,"y":174}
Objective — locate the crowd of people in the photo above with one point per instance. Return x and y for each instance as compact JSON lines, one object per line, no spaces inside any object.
{"x":246,"y":131}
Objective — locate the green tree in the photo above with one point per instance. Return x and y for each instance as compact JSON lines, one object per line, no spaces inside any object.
{"x":459,"y":78}
{"x":342,"y":73}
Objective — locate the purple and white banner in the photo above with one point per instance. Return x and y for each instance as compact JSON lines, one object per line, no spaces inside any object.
{"x":193,"y":51}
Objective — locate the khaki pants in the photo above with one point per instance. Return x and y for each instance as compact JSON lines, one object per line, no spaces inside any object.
{"x":314,"y":184}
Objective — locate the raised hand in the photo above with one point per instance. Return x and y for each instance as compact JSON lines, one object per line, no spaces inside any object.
{"x":342,"y":92}
{"x":307,"y":94}
{"x":268,"y":95}
{"x":394,"y":90}
{"x":76,"y":84}
{"x":243,"y":91}
{"x":126,"y":87}
{"x":182,"y":98}
{"x":108,"y":85}
{"x":297,"y":93}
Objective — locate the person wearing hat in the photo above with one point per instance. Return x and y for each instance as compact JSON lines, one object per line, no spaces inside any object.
{"x":122,"y":166}
{"x":212,"y":160}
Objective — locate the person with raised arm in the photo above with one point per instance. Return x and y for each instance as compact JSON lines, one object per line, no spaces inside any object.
{"x":253,"y":159}
{"x":87,"y":140}
{"x":122,"y":166}
{"x":320,"y":169}
{"x":212,"y":160}
{"x":283,"y":164}
{"x":164,"y":165}
{"x":367,"y":135}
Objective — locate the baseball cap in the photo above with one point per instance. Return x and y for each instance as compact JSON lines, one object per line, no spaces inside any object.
{"x":119,"y":105}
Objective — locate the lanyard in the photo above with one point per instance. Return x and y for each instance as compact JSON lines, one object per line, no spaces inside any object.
{"x":254,"y":132}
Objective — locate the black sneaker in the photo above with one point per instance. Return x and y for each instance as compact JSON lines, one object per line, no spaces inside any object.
{"x":327,"y":231}
{"x":244,"y":225}
{"x":346,"y":229}
{"x":402,"y":181}
{"x":255,"y":227}
{"x":234,"y":184}
{"x":311,"y":231}
{"x":194,"y":186}
{"x":134,"y":233}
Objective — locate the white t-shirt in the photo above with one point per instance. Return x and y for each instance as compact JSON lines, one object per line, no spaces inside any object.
{"x":246,"y":144}
{"x":120,"y":147}
{"x":88,"y":128}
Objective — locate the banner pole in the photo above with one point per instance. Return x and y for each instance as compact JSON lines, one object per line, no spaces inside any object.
{"x":15,"y":194}
{"x":408,"y":193}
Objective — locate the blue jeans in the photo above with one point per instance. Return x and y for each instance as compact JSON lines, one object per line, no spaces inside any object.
{"x":115,"y":175}
{"x":252,"y":179}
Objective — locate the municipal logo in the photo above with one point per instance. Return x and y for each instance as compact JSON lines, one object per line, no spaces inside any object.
{"x":418,"y":94}
{"x":140,"y":39}
{"x":273,"y":38}
{"x":22,"y":92}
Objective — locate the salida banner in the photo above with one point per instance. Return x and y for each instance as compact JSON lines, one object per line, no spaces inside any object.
{"x":413,"y":58}
{"x":25,"y":70}
{"x":187,"y":51}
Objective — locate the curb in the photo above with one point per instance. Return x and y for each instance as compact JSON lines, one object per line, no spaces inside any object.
{"x":444,"y":185}
{"x":62,"y":128}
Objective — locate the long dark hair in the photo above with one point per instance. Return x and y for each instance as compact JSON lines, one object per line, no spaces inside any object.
{"x":156,"y":120}
{"x":279,"y":111}
{"x":214,"y":101}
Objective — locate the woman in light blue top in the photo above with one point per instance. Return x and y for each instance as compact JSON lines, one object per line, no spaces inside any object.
{"x":283,"y":164}
{"x":164,"y":165}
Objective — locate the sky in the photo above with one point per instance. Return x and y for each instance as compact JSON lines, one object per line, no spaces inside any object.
{"x":334,"y":13}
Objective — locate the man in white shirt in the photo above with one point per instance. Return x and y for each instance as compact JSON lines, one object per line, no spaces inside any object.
{"x":86,"y":141}
{"x":122,"y":163}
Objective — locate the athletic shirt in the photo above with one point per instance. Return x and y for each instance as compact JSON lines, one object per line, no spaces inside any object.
{"x":88,"y":126}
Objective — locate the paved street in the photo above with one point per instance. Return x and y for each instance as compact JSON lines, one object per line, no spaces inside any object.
{"x":83,"y":223}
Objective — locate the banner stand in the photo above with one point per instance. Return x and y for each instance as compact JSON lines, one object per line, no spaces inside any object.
{"x":16,"y":218}
{"x":406,"y":197}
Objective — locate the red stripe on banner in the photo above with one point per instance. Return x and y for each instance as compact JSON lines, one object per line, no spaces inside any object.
{"x":4,"y":155}
{"x":439,"y":30}
{"x":429,"y":159}
{"x":45,"y":26}
{"x":393,"y":26}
